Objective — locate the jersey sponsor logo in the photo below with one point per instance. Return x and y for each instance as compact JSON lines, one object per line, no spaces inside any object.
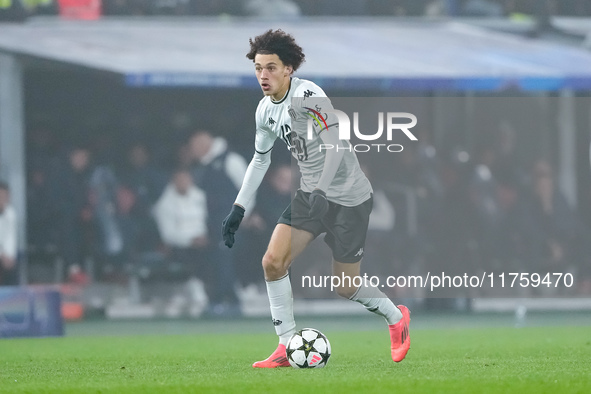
{"x":277,"y":322}
{"x":317,"y":116}
{"x":271,"y":121}
{"x":308,"y":93}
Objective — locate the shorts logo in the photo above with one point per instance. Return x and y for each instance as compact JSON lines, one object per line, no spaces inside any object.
{"x":359,"y":252}
{"x":276,"y":322}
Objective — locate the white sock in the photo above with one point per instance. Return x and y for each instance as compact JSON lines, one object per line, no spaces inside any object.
{"x":281,"y":301}
{"x":374,"y":300}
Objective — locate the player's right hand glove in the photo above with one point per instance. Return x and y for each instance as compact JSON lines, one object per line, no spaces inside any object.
{"x":318,"y":204}
{"x":231,"y":224}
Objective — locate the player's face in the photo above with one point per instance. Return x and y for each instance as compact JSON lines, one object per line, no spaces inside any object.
{"x":272,"y":74}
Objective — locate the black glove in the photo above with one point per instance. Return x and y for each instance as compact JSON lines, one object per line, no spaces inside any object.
{"x":231,"y":224}
{"x":318,"y":204}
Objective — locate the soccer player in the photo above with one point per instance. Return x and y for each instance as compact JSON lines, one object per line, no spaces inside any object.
{"x":334,"y":196}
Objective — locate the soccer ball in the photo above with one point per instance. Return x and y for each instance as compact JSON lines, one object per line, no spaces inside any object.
{"x":308,"y":348}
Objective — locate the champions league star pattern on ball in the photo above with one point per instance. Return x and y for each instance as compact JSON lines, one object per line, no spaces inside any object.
{"x":308,"y":348}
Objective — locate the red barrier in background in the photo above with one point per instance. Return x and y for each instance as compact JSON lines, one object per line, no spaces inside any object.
{"x":80,"y":9}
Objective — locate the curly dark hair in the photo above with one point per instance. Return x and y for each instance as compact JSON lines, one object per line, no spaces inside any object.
{"x":279,"y":43}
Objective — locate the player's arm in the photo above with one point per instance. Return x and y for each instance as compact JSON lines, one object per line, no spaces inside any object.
{"x":255,"y":173}
{"x":332,"y":162}
{"x":333,"y":157}
{"x":318,"y":106}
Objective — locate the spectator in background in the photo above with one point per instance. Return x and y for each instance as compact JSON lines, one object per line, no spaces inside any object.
{"x":498,"y":207}
{"x":70,"y":201}
{"x":215,"y":166}
{"x":141,"y":184}
{"x":8,"y":238}
{"x":557,"y":240}
{"x":508,"y":163}
{"x":450,"y":226}
{"x":418,"y":197}
{"x":184,"y":157}
{"x":103,"y":188}
{"x":181,"y":214}
{"x":219,"y":172}
{"x":41,"y":152}
{"x":509,"y":248}
{"x":485,"y":204}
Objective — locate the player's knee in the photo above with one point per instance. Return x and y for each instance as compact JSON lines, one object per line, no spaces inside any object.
{"x":274,"y":265}
{"x":346,"y":291}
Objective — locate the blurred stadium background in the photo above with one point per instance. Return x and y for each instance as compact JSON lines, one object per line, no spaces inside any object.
{"x":102,"y":101}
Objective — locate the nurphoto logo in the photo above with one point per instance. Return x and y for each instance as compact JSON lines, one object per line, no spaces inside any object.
{"x":393,"y":124}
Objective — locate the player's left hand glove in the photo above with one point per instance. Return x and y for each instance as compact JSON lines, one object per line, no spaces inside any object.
{"x":318,"y":204}
{"x":231,"y":223}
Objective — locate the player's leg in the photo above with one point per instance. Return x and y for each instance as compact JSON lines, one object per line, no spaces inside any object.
{"x":346,"y":238}
{"x":285,"y":245}
{"x":374,"y":300}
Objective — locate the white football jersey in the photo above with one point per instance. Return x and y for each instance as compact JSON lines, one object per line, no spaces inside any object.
{"x":288,"y":119}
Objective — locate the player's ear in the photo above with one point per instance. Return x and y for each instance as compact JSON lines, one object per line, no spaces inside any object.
{"x":288,"y":70}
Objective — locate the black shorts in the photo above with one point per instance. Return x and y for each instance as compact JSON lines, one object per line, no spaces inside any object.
{"x":345,"y":227}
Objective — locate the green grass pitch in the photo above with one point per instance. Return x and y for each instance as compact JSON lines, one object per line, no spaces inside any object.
{"x":447,"y":360}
